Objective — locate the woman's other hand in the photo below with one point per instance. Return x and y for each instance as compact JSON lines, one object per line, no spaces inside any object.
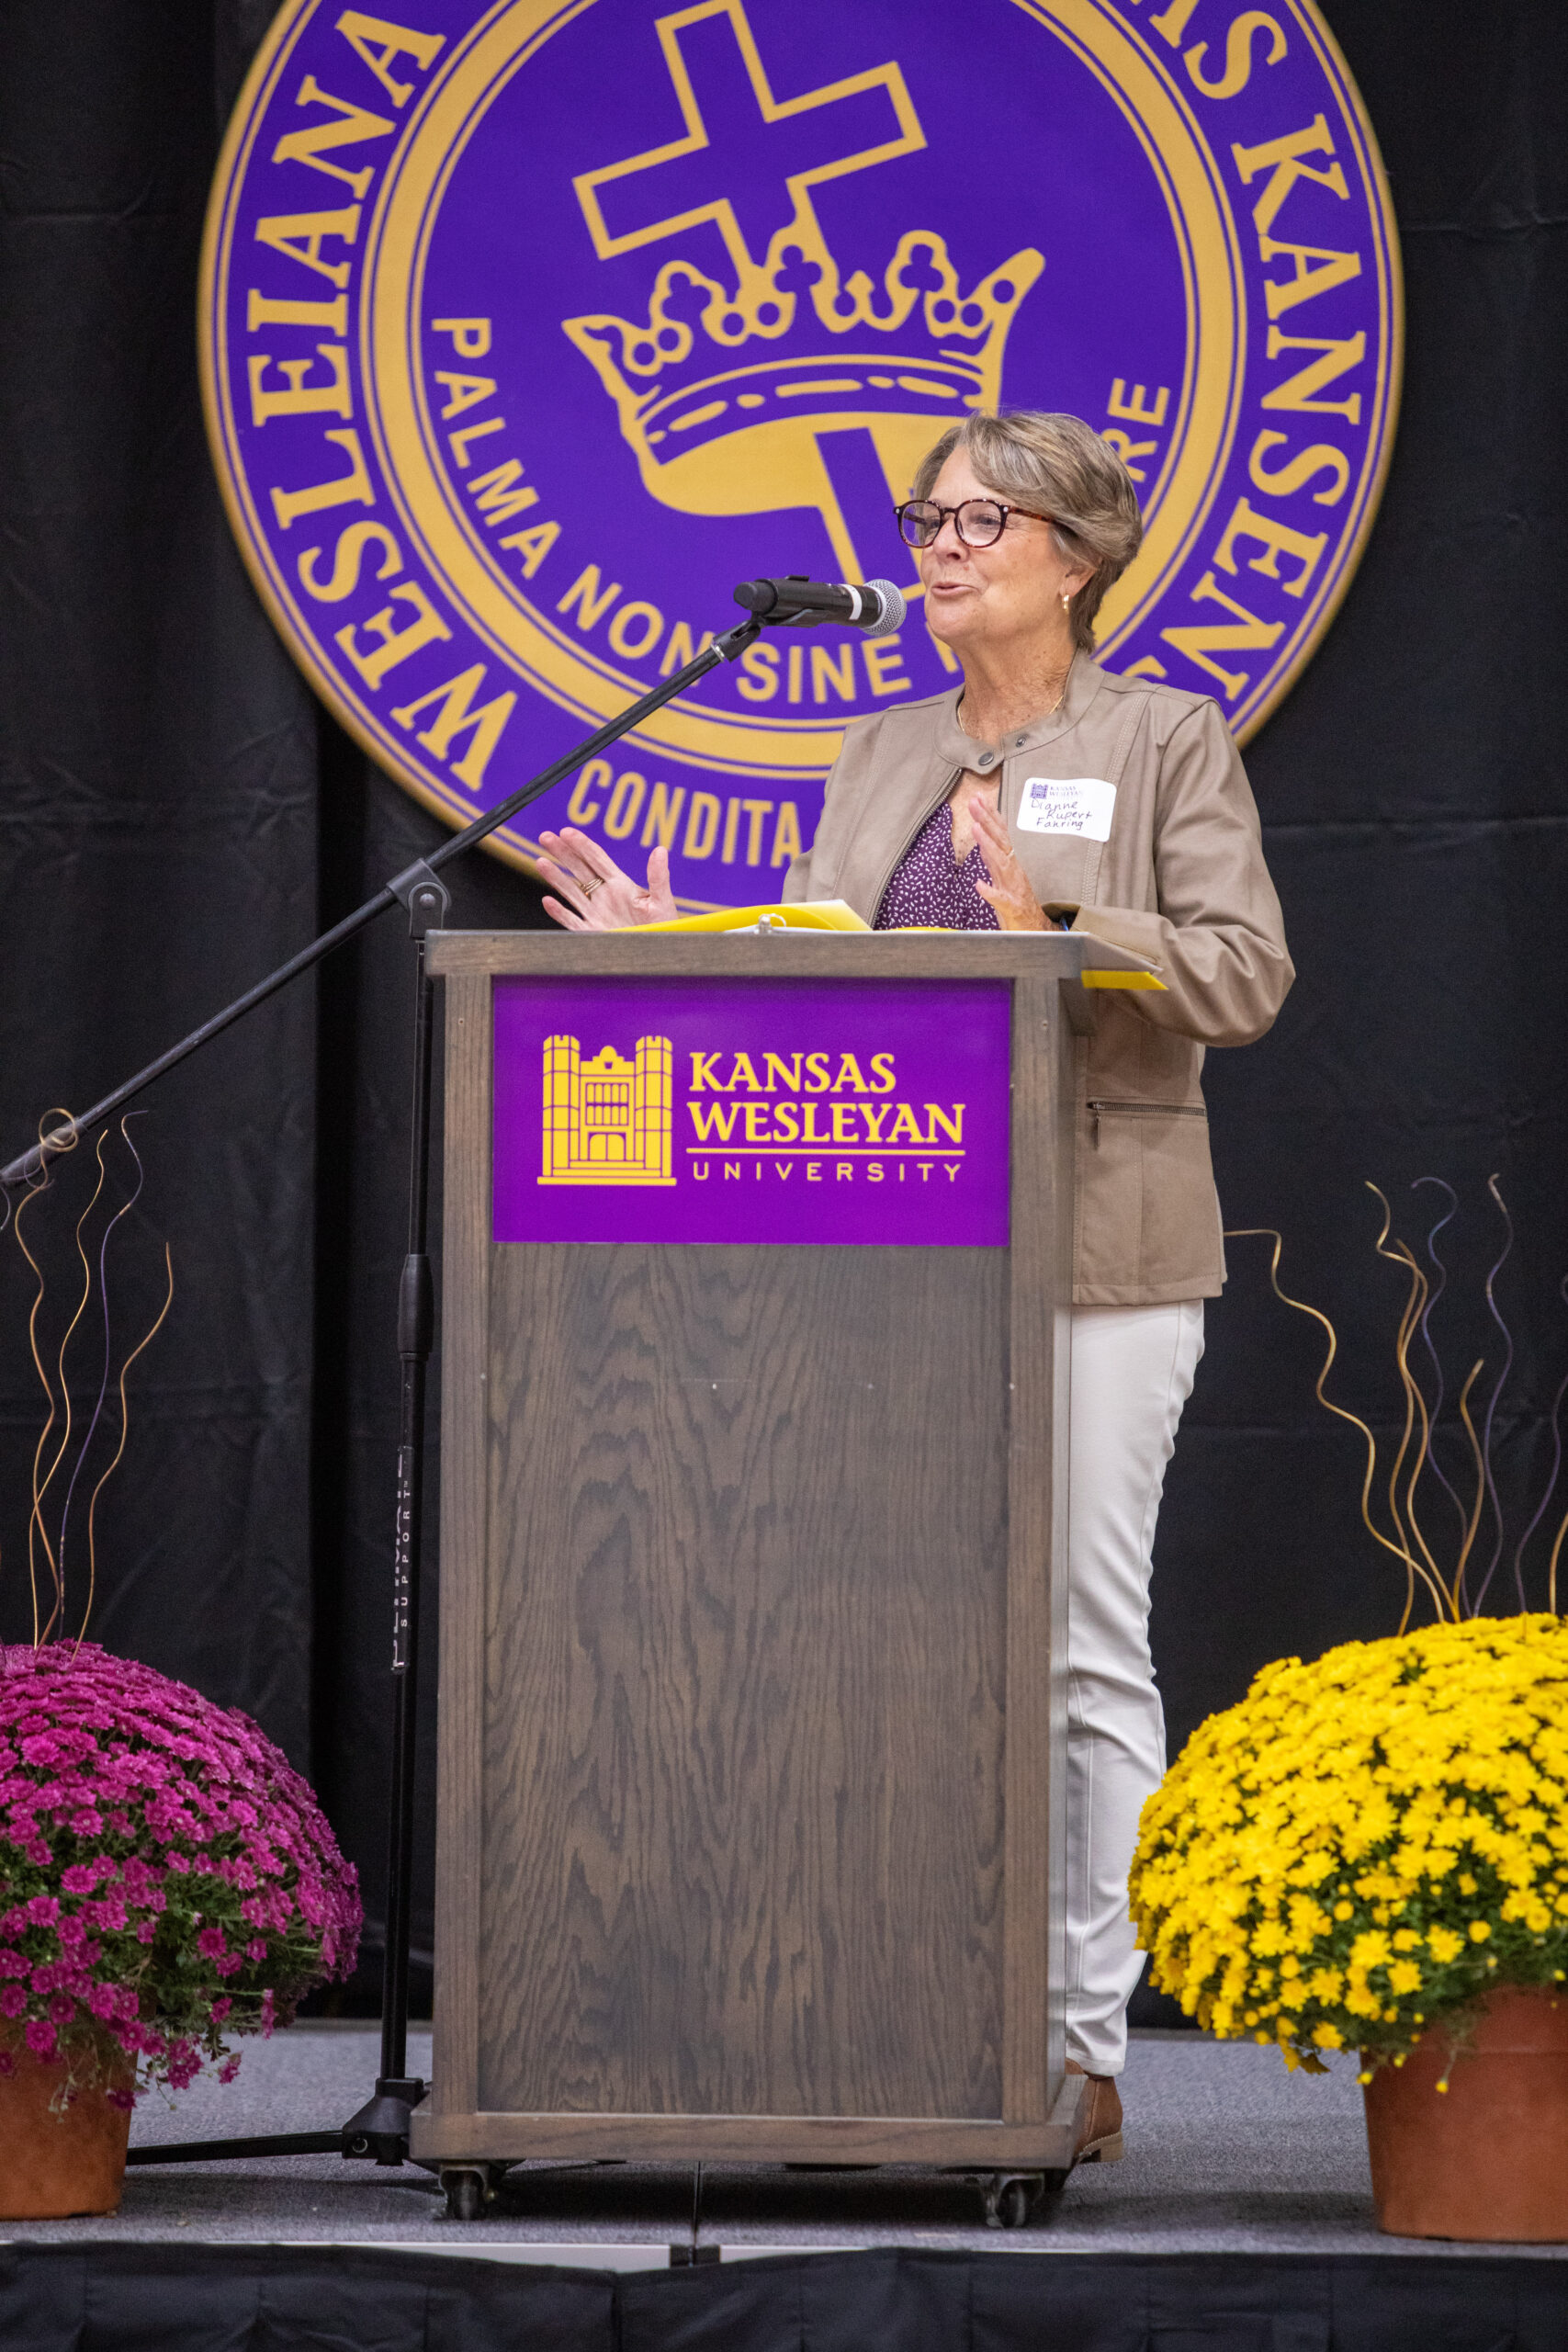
{"x":1008,"y":890}
{"x":594,"y":893}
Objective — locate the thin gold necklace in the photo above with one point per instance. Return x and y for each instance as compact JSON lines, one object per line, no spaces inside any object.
{"x":1043,"y":716}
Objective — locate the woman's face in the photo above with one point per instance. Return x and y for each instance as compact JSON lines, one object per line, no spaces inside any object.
{"x":1007,"y":595}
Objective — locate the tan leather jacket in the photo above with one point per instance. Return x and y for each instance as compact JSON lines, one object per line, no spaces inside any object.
{"x":1181,"y":880}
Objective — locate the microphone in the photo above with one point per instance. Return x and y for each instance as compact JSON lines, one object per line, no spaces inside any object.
{"x":878,"y":608}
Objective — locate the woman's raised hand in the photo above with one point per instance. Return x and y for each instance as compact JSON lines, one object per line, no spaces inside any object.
{"x":594,"y":893}
{"x":1009,"y":889}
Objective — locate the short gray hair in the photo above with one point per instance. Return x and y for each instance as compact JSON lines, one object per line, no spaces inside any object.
{"x":1038,"y":458}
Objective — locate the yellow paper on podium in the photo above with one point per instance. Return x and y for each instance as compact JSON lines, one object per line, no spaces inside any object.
{"x":834,"y":915}
{"x":811,"y":914}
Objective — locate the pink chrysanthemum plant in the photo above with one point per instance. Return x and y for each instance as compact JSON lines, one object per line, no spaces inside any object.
{"x":166,"y":1877}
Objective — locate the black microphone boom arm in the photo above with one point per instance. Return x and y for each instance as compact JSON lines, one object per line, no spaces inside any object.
{"x":30,"y":1165}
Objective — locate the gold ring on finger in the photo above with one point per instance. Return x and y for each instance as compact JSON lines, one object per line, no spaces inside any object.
{"x":588,"y":888}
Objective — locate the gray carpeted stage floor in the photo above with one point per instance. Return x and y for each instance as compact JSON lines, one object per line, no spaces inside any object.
{"x":1226,"y":2153}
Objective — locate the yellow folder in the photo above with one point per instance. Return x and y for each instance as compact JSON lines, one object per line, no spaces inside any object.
{"x":812,"y":914}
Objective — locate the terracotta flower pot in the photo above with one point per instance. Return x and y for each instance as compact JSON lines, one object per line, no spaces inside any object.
{"x":53,"y":2166}
{"x":1488,"y":2158}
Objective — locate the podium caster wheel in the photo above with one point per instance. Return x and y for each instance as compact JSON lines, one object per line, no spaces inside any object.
{"x":469,"y":2189}
{"x":1011,"y":2198}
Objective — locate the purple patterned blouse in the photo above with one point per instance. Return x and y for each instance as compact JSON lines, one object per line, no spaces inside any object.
{"x":929,"y":887}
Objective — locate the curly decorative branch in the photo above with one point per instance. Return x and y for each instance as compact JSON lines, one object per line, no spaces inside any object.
{"x":1496,"y":1393}
{"x":1415,"y":1453}
{"x":57,"y":1439}
{"x":38,"y":1535}
{"x":1414,"y":1568}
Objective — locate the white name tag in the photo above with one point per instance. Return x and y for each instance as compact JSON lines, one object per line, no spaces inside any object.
{"x":1079,"y":804}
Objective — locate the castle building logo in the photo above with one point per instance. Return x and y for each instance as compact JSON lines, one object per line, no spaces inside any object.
{"x":607,"y":1120}
{"x":529,"y":329}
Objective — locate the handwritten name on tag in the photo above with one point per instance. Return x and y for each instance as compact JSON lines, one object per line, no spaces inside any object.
{"x":1079,"y":804}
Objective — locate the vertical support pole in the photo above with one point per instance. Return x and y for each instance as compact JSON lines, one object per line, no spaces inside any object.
{"x":416,"y":1324}
{"x":381,"y":2128}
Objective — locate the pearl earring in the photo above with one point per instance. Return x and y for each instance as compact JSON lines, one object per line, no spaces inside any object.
{"x":1067,"y":602}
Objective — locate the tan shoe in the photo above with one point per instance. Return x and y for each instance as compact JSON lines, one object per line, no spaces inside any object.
{"x":1099,"y":2120}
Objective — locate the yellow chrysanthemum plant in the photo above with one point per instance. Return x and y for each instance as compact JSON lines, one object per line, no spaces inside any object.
{"x":1367,"y":1843}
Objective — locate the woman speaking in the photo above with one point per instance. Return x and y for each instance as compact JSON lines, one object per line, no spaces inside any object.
{"x":941,"y":812}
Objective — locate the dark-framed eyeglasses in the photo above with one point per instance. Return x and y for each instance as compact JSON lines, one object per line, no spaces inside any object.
{"x":979,"y":522}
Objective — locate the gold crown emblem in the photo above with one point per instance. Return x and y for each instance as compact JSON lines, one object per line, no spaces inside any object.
{"x":645,"y":367}
{"x":731,"y":395}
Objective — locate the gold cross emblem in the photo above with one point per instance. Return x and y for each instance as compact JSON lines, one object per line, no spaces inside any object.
{"x":714,"y":41}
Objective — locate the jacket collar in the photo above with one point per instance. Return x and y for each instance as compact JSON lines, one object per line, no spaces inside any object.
{"x":961,"y":750}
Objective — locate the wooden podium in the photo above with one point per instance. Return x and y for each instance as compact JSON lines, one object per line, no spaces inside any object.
{"x":751,"y":1804}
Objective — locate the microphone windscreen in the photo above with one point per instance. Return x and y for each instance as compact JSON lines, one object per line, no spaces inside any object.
{"x":894,"y":608}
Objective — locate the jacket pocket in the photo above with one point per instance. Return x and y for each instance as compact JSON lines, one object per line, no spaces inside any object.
{"x":1148,"y":1218}
{"x":1108,"y":1106}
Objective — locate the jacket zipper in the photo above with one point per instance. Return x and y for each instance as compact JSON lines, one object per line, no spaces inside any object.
{"x":1142,"y":1111}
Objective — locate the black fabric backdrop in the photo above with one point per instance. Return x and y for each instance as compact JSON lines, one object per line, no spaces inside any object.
{"x":177,"y":815}
{"x":301,"y":2298}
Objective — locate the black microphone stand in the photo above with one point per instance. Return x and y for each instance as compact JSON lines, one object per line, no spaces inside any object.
{"x":380,"y":2131}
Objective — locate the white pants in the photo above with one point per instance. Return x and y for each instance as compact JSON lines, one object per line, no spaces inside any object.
{"x":1133,"y":1371}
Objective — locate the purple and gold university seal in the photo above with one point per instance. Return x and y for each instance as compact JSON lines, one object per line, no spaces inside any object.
{"x":528,"y":329}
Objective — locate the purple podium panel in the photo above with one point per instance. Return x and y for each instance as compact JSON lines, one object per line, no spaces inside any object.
{"x":757,"y":1110}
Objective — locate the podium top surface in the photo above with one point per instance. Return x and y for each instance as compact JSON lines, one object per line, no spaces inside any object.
{"x":785,"y":955}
